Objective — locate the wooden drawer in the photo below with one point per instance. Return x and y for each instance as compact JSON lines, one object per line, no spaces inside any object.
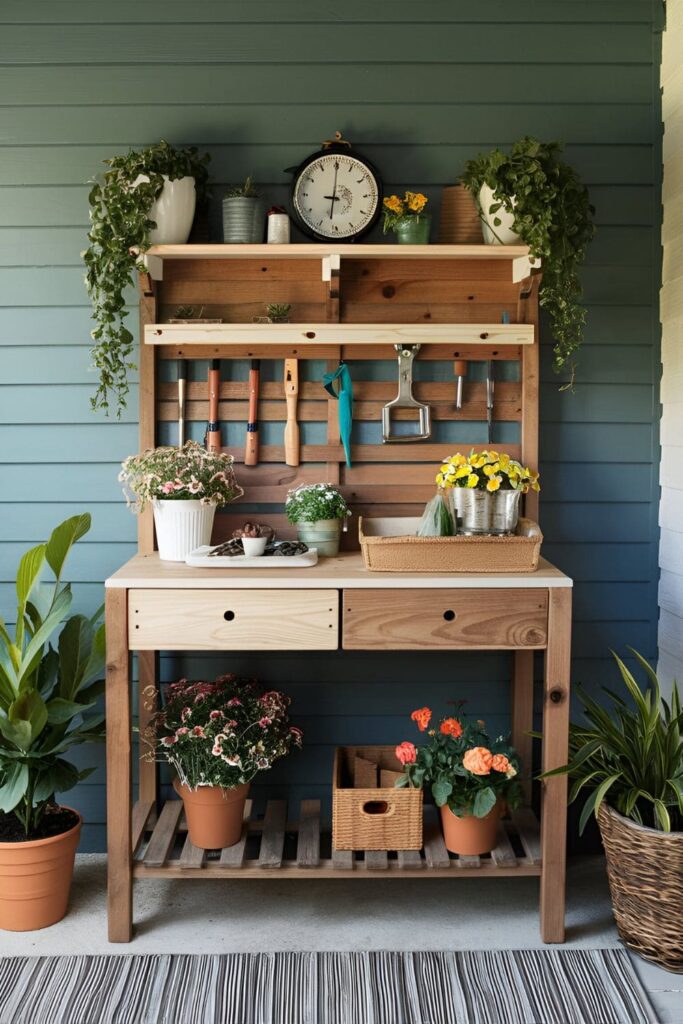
{"x":423,"y":619}
{"x":224,"y":620}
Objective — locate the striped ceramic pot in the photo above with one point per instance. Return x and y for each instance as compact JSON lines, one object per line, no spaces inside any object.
{"x":181,"y":527}
{"x":323,"y":535}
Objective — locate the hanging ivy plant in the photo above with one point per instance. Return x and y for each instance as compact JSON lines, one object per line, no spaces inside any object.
{"x":119,"y":232}
{"x":554,"y":217}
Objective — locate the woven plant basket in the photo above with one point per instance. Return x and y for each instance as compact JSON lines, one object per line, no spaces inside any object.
{"x":373,"y":817}
{"x":645,"y":871}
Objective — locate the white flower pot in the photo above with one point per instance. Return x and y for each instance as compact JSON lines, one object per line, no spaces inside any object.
{"x":173,"y":211}
{"x":181,"y":527}
{"x":501,"y":234}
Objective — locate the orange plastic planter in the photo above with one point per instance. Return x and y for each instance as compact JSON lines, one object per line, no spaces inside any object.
{"x":214,"y":815}
{"x":35,"y":880}
{"x":470,"y":836}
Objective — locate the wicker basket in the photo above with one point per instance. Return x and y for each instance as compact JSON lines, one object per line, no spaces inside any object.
{"x":645,"y":871}
{"x":390,"y":545}
{"x":459,"y":223}
{"x":377,"y":818}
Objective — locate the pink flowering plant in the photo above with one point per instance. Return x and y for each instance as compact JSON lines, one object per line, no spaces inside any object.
{"x":221,"y":733}
{"x":179,"y":474}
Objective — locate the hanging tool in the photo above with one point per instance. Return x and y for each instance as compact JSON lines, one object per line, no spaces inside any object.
{"x":182,"y":381}
{"x":345,"y":398}
{"x":489,"y":400}
{"x":460,"y":368}
{"x":212,"y":437}
{"x":291,"y":426}
{"x":251,"y":446}
{"x":406,"y":400}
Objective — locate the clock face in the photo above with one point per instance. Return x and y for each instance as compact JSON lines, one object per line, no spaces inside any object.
{"x":336,"y":195}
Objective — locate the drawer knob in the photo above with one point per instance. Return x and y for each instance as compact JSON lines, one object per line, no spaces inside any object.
{"x":228,"y":616}
{"x":449,"y":615}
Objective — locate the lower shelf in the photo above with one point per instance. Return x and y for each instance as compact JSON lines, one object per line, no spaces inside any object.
{"x":274,"y":845}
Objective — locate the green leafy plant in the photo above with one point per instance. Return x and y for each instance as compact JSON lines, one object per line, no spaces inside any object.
{"x":629,"y":754}
{"x":47,"y":693}
{"x":119,"y":232}
{"x":310,"y":503}
{"x":248,"y":190}
{"x":554,"y":217}
{"x":464,"y":768}
{"x":278,"y":310}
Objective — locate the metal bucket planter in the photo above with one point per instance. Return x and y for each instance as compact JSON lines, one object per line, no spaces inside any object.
{"x":324,"y":535}
{"x":479,"y":512}
{"x":242,"y":220}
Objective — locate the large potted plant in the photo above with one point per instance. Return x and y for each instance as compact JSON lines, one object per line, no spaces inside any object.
{"x":533,"y":196}
{"x":485,"y":488}
{"x":628,"y":755}
{"x":473,"y":779}
{"x":185,"y":486}
{"x":243,"y":214}
{"x":319,"y":511}
{"x":49,"y":687}
{"x":217,"y":736}
{"x":145,"y":198}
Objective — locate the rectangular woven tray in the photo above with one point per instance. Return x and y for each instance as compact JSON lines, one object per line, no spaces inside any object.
{"x":390,"y":545}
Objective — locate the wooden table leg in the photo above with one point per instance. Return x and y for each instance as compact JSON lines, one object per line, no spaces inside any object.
{"x":148,"y":698}
{"x":555,"y":750}
{"x":523,"y":713}
{"x":119,"y":782}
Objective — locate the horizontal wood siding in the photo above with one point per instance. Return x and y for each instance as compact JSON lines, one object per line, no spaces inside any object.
{"x":419,"y":88}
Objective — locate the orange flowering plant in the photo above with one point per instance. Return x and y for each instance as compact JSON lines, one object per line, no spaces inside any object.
{"x":397,"y":210}
{"x":461,"y":764}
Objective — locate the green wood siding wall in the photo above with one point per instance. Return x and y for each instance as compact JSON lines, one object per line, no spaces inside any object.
{"x":421,"y":87}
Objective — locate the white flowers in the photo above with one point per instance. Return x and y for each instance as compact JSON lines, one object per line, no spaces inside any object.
{"x":312,"y":502}
{"x":182,"y":473}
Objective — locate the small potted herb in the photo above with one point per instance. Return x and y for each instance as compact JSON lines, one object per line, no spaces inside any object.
{"x":319,"y":512}
{"x":485,"y":489}
{"x":407,"y":219}
{"x":218,"y":736}
{"x":185,"y":486}
{"x":243,"y":214}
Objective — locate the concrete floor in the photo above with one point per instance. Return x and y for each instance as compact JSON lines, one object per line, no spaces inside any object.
{"x":200,"y":916}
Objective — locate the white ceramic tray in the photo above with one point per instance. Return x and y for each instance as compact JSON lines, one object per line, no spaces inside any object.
{"x":200,"y":558}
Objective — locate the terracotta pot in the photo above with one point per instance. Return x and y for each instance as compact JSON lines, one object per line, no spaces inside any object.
{"x":35,"y":880}
{"x":468,"y":835}
{"x":214,"y":815}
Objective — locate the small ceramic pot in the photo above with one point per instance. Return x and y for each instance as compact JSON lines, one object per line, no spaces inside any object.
{"x":323,"y":535}
{"x":254,"y":546}
{"x":470,"y":836}
{"x":214,"y":815}
{"x":414,"y":230}
{"x":182,"y":526}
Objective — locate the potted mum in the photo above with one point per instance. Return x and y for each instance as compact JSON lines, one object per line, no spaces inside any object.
{"x":485,"y":488}
{"x":407,"y":219}
{"x":218,"y":736}
{"x":472,"y":779}
{"x":145,"y":198}
{"x":185,"y":486}
{"x":319,"y":511}
{"x":243,"y":213}
{"x":49,"y":688}
{"x":627,"y":754}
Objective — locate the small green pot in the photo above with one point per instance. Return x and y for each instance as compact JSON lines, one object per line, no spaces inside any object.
{"x":323,"y":535}
{"x":414,"y":230}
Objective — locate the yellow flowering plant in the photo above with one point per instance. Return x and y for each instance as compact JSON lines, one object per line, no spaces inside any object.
{"x":397,"y":210}
{"x":487,"y":471}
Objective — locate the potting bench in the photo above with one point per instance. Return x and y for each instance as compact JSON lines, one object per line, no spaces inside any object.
{"x":352,"y":302}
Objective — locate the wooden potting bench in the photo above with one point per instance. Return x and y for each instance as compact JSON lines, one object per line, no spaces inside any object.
{"x":355,"y":303}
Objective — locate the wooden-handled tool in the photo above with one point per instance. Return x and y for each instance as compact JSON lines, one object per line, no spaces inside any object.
{"x":182,"y":381}
{"x":251,"y":447}
{"x":291,"y":426}
{"x":460,"y":368}
{"x":212,"y":438}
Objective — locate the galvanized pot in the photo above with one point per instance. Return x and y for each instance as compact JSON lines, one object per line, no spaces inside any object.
{"x":481,"y":512}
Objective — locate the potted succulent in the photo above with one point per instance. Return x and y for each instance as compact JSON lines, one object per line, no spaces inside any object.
{"x":218,"y":736}
{"x":485,"y":489}
{"x":628,"y":755}
{"x":534,"y":197}
{"x":243,"y":215}
{"x":185,"y":486}
{"x":145,"y":198}
{"x":49,"y":688}
{"x":192,"y":315}
{"x":319,"y":511}
{"x":278,"y":312}
{"x":472,"y":778}
{"x":407,"y":219}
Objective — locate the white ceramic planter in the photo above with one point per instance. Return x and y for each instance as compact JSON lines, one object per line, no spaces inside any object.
{"x":182,"y":526}
{"x":501,"y":234}
{"x":173,"y":211}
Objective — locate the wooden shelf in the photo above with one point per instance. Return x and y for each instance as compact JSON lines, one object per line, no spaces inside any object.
{"x":274,"y":846}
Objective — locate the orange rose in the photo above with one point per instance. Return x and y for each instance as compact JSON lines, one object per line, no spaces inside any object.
{"x":451,"y":727}
{"x":423,"y":717}
{"x":406,"y":753}
{"x":478,"y":760}
{"x":500,"y":763}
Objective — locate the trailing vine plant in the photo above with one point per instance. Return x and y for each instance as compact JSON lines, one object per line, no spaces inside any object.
{"x":554,"y":217}
{"x":119,"y":233}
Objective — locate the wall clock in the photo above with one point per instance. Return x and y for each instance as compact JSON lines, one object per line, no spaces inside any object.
{"x":336,"y":193}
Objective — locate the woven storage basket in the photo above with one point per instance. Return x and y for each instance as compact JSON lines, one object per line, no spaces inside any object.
{"x":377,"y":818}
{"x":645,"y":871}
{"x":390,"y":545}
{"x":459,"y":221}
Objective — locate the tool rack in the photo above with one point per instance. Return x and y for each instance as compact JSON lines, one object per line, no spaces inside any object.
{"x":352,"y":302}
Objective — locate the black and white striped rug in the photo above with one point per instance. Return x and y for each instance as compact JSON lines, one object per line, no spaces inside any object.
{"x":498,"y":987}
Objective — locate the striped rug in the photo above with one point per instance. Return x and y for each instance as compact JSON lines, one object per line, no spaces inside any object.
{"x":521,"y":987}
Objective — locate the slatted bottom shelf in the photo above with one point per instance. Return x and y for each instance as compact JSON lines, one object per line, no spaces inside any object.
{"x":278,"y":846}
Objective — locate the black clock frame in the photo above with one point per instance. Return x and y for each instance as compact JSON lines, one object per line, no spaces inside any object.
{"x":345,"y":149}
